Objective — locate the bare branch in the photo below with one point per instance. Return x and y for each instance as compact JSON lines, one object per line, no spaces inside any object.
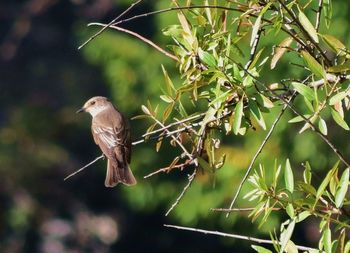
{"x":81,"y":169}
{"x":169,"y":168}
{"x":247,"y":209}
{"x":149,"y":42}
{"x":241,"y":237}
{"x":257,"y":153}
{"x":190,"y":180}
{"x":109,"y":24}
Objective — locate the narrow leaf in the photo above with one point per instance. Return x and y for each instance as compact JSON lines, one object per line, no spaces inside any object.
{"x":334,"y":44}
{"x":337,"y":97}
{"x":304,"y":90}
{"x":322,"y":126}
{"x":286,"y":235}
{"x":342,"y":188}
{"x":288,"y":177}
{"x":307,"y":25}
{"x":238,"y":117}
{"x":325,"y":181}
{"x":327,"y":240}
{"x":313,"y":65}
{"x":255,"y":30}
{"x":206,"y":58}
{"x":339,"y":120}
{"x":280,"y":51}
{"x":260,"y":249}
{"x":254,"y":109}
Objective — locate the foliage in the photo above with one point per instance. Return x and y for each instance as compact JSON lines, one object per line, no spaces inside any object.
{"x":222,"y":93}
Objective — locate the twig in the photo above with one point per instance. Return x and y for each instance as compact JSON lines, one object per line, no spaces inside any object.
{"x":318,"y":15}
{"x":254,"y":47}
{"x":241,"y":237}
{"x":81,"y":169}
{"x":149,"y":42}
{"x":190,"y":180}
{"x":257,"y":153}
{"x":168,"y":168}
{"x":247,"y":209}
{"x":109,"y":24}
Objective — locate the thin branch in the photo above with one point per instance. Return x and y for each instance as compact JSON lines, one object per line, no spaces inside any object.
{"x":254,"y":47}
{"x":82,"y":168}
{"x":318,"y":15}
{"x":169,"y":168}
{"x":109,"y":24}
{"x":241,"y":237}
{"x":247,"y":209}
{"x":149,"y":42}
{"x":190,"y":180}
{"x":274,"y":124}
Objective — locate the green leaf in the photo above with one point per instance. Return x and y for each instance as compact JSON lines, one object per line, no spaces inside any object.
{"x":255,"y":30}
{"x":313,"y":65}
{"x":145,"y":110}
{"x":260,"y":249}
{"x":304,"y":90}
{"x":334,"y":44}
{"x":302,"y":216}
{"x":204,"y":164}
{"x":307,"y":25}
{"x":206,"y":58}
{"x":280,"y":51}
{"x":328,"y":11}
{"x":288,"y":177}
{"x":291,"y":247}
{"x":299,"y":118}
{"x":342,"y":188}
{"x":339,"y":120}
{"x":307,"y":175}
{"x":255,"y":111}
{"x":286,"y":235}
{"x":167,"y":99}
{"x":338,"y":97}
{"x":264,"y":101}
{"x":322,"y":126}
{"x":169,"y":84}
{"x":325,"y":181}
{"x":327,"y":240}
{"x":237,"y":117}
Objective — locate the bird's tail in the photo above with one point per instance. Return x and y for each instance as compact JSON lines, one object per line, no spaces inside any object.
{"x":118,"y":174}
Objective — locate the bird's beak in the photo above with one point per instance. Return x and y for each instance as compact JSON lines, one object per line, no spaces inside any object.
{"x":80,"y":110}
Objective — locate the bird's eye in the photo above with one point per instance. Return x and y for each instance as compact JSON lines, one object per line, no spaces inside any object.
{"x":93,"y":102}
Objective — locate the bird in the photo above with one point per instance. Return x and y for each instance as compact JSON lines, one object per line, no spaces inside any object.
{"x":111,"y":132}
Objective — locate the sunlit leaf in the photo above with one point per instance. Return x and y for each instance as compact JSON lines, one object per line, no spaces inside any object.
{"x":307,"y":175}
{"x":280,"y":51}
{"x":342,"y":188}
{"x":255,"y":111}
{"x":288,"y":177}
{"x":339,"y":120}
{"x":336,"y":45}
{"x":255,"y":30}
{"x":302,"y":216}
{"x":304,"y":90}
{"x":322,"y":126}
{"x":286,"y":235}
{"x":307,"y":25}
{"x":338,"y":97}
{"x":238,"y":114}
{"x":291,"y":247}
{"x":206,"y":58}
{"x":260,"y":249}
{"x":327,"y":240}
{"x":313,"y":65}
{"x":325,"y":182}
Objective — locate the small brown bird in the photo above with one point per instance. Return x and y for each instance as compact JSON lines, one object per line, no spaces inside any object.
{"x":111,"y":133}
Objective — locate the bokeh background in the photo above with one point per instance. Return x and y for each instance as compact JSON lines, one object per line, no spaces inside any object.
{"x":44,"y":79}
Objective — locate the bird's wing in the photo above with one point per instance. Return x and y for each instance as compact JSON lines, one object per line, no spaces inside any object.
{"x":113,"y":136}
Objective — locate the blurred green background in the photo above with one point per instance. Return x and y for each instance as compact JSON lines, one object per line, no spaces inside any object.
{"x":44,"y":79}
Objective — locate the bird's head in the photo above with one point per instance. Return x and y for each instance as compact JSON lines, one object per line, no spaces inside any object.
{"x":95,"y":105}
